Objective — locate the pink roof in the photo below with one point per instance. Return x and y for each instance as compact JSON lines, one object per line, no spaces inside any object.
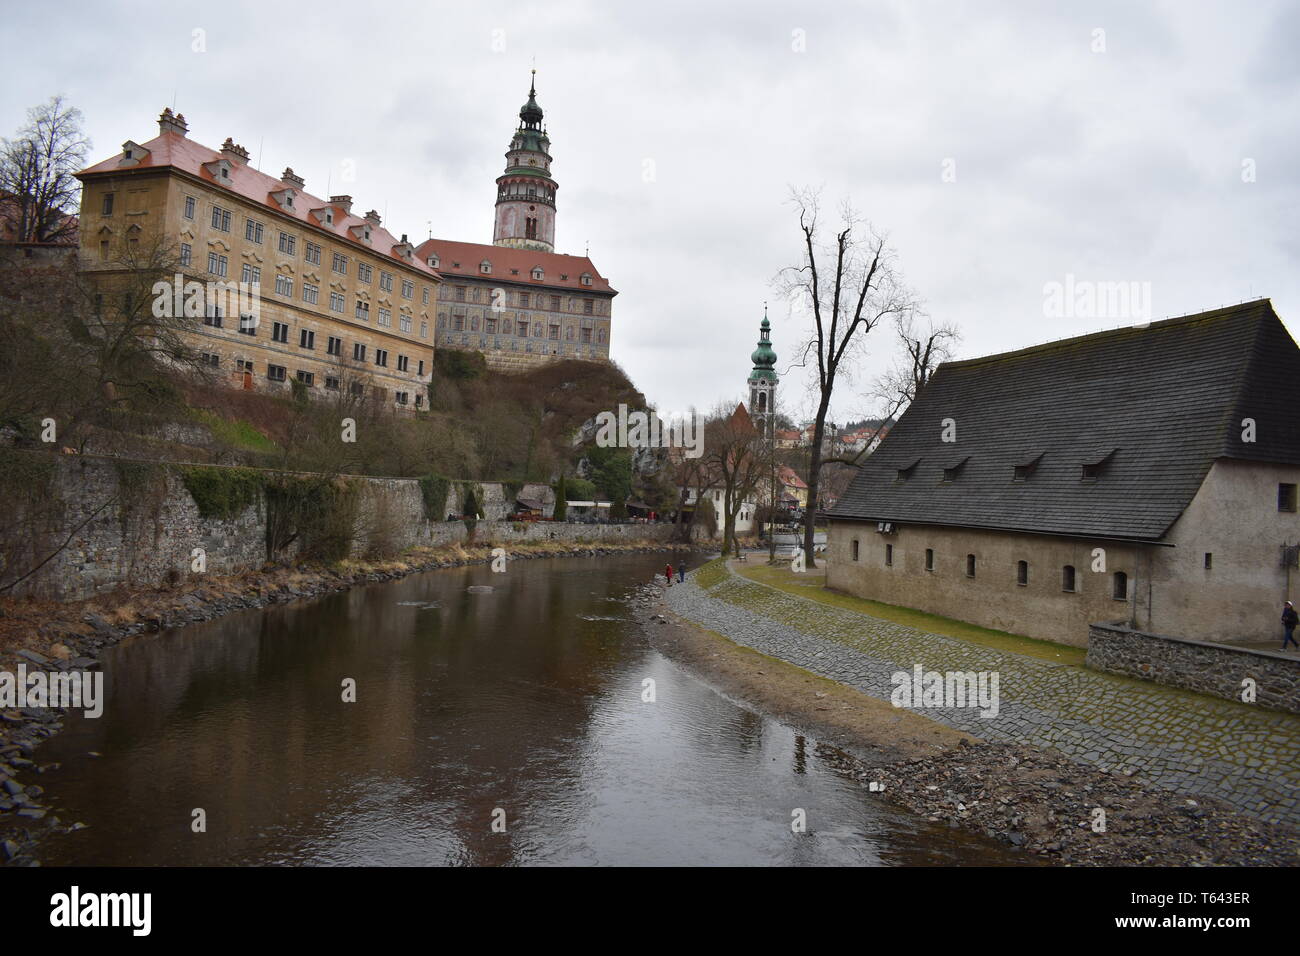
{"x":559,"y":270}
{"x":173,"y":150}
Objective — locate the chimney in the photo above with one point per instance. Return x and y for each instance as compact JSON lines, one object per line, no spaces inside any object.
{"x":372,"y":217}
{"x":169,"y":122}
{"x":289,"y":178}
{"x":234,"y":152}
{"x":344,"y":201}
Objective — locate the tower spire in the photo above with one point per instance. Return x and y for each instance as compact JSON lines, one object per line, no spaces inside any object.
{"x":763,"y":379}
{"x":525,"y":207}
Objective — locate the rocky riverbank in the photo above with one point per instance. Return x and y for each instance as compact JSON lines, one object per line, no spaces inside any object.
{"x":49,"y":636}
{"x":1035,"y":799}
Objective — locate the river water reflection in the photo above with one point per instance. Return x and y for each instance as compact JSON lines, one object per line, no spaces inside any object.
{"x":526,"y":698}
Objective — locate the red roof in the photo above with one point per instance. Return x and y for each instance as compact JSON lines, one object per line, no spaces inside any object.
{"x":789,"y":477}
{"x":173,"y":150}
{"x":513,"y":265}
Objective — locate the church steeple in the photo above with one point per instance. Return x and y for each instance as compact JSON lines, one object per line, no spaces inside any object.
{"x":763,"y":380}
{"x":525,"y":209}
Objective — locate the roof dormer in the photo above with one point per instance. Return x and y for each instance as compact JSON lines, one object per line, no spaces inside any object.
{"x":485,"y":267}
{"x":362,"y":231}
{"x":538,"y":273}
{"x":324,"y":215}
{"x":284,"y":197}
{"x":586,"y":278}
{"x":433,"y":262}
{"x":220,"y":170}
{"x":404,"y":249}
{"x":132,"y":154}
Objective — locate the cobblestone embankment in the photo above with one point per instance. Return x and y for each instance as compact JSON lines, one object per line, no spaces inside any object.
{"x":1176,"y":740}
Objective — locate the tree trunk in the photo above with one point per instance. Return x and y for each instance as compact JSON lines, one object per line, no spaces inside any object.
{"x":814,"y":480}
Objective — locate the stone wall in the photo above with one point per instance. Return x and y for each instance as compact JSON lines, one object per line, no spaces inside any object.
{"x":1215,"y":669}
{"x":153,"y":538}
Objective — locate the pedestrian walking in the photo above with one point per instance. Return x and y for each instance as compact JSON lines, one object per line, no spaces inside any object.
{"x":668,"y":573}
{"x":681,"y":572}
{"x":1289,"y":621}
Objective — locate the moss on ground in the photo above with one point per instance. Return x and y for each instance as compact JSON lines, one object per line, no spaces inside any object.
{"x":814,"y":589}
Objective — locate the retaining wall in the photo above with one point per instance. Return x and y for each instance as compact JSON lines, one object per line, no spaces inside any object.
{"x":1215,"y":669}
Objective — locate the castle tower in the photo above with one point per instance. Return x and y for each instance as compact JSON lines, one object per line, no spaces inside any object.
{"x":525,"y":213}
{"x":763,"y":381}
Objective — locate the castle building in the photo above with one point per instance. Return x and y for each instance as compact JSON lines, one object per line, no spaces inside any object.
{"x":1139,"y":475}
{"x":518,"y":301}
{"x":341,"y":305}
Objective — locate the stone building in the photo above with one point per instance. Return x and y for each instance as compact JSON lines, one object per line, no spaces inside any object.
{"x":342,"y":304}
{"x":518,"y":301}
{"x":1144,"y":475}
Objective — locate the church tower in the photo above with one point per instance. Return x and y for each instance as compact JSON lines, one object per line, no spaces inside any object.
{"x":763,"y":381}
{"x":525,"y":214}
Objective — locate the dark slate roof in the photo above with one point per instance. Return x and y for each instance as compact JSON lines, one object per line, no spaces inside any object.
{"x":1156,"y":406}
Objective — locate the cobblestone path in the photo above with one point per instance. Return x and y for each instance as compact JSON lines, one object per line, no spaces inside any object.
{"x":1178,"y":740}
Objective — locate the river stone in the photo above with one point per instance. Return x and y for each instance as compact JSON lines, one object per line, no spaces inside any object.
{"x":480,"y":589}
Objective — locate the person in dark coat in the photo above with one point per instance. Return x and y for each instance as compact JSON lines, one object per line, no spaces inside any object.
{"x":1289,"y":621}
{"x":681,"y":572}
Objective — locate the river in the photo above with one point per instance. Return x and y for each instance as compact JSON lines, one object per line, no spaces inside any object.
{"x":521,"y":703}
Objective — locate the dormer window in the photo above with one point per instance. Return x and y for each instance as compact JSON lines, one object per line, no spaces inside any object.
{"x":538,"y":274}
{"x":1026,"y":468}
{"x":905,"y":471}
{"x":433,"y":262}
{"x":953,"y":469}
{"x":1093,"y":469}
{"x":485,"y":267}
{"x":586,"y":278}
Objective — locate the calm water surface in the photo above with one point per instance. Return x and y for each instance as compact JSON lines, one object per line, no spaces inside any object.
{"x":527,"y":698}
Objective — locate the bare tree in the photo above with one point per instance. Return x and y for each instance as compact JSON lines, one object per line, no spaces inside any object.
{"x":37,"y":170}
{"x":925,"y":346}
{"x":850,"y":284}
{"x":734,"y":459}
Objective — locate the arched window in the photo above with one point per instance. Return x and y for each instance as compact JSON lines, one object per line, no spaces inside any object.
{"x":1120,"y":586}
{"x":1022,"y":573}
{"x":1067,"y":578}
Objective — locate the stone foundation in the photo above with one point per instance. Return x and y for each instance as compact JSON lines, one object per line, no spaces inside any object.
{"x":152,"y":540}
{"x":1215,"y":669}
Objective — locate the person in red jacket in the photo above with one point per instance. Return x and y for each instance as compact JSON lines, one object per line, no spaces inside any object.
{"x":668,"y":573}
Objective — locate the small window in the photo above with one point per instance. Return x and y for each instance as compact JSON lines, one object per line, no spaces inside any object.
{"x":275,"y":373}
{"x":1068,"y":578}
{"x":889,"y":555}
{"x":1286,"y":498}
{"x":1209,"y":560}
{"x":855,"y":549}
{"x":970,"y":565}
{"x":1022,"y":573}
{"x":108,"y":204}
{"x":307,"y":378}
{"x":1120,"y":589}
{"x":929,"y":559}
{"x":189,"y":207}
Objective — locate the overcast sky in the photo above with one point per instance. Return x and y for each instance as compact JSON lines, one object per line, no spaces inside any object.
{"x":678,"y":129}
